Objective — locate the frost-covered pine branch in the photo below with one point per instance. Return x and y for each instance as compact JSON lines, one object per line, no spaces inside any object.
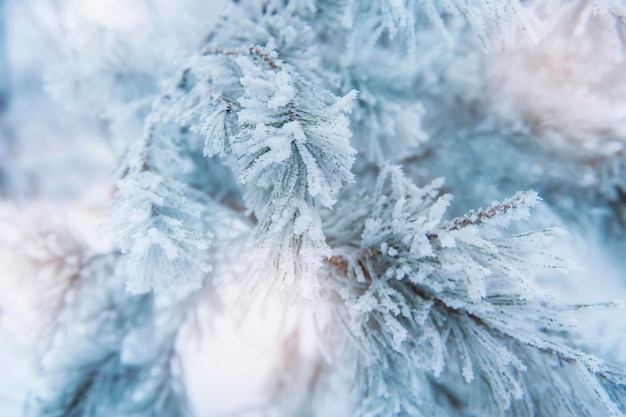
{"x":256,"y":160}
{"x":160,"y":226}
{"x":281,"y":132}
{"x":457,"y":301}
{"x":97,"y":349}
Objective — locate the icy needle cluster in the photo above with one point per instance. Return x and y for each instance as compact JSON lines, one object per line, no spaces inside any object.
{"x":447,"y":312}
{"x":259,"y":104}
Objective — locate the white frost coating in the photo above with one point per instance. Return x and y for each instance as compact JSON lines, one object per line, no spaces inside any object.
{"x":160,"y":238}
{"x":261,"y":107}
{"x":319,"y":138}
{"x":257,"y":94}
{"x":499,"y":213}
{"x":285,"y":92}
{"x":293,"y":152}
{"x":456,"y":299}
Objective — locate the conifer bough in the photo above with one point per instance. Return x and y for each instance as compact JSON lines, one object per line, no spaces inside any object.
{"x":283,"y":157}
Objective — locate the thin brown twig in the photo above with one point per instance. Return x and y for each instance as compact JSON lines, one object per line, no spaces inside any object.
{"x":482,"y":216}
{"x":252,"y":50}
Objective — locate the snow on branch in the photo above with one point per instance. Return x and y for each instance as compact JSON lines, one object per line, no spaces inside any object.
{"x":293,"y":152}
{"x":457,"y":301}
{"x":514,"y":208}
{"x":160,"y":234}
{"x":286,"y":137}
{"x":158,"y":223}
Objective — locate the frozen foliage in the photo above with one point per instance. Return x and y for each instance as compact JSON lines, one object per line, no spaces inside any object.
{"x":500,"y":135}
{"x":160,"y":234}
{"x":457,"y":301}
{"x":495,"y":23}
{"x":293,"y":151}
{"x":159,"y":224}
{"x":112,"y":353}
{"x":101,"y":350}
{"x":284,"y":136}
{"x":278,"y":154}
